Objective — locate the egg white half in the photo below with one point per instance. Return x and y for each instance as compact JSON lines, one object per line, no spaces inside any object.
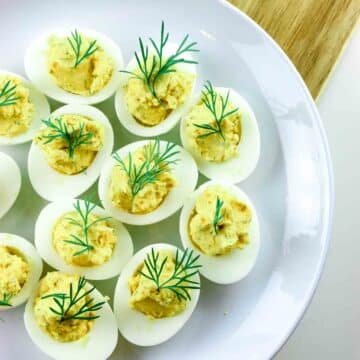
{"x":240,"y":167}
{"x":51,"y":213}
{"x":10,"y":183}
{"x":52,"y":185}
{"x":137,"y":327}
{"x":36,"y":68}
{"x":184,"y":171}
{"x":99,"y":343}
{"x":41,"y":111}
{"x":125,"y":117}
{"x":232,"y":267}
{"x":35,"y":267}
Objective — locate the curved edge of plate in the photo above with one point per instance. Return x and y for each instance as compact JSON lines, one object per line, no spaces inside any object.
{"x":329,"y":177}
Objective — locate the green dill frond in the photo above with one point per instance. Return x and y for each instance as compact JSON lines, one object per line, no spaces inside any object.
{"x":152,"y":68}
{"x":62,"y":309}
{"x":218,"y":216}
{"x":181,"y":280}
{"x":84,"y":224}
{"x":156,"y":162}
{"x":210,"y":97}
{"x":73,"y":138}
{"x":5,"y":301}
{"x":8,"y":94}
{"x":76,"y":43}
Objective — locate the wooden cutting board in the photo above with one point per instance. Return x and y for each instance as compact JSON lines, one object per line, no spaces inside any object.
{"x":312,"y":32}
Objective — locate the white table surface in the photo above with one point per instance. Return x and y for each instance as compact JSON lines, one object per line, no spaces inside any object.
{"x":330,"y":327}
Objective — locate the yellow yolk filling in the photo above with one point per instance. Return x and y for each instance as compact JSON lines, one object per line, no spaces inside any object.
{"x":57,"y":152}
{"x":149,"y":198}
{"x":49,"y":322}
{"x":145,"y":298}
{"x":232,"y":231}
{"x":15,"y":119}
{"x":101,"y":236}
{"x":173,"y":89}
{"x":14,"y":271}
{"x":87,"y":78}
{"x":213,"y":147}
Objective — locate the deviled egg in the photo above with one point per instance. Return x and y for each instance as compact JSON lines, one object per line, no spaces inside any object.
{"x":67,"y":318}
{"x":220,"y":224}
{"x":221,"y":133}
{"x":20,"y":270}
{"x":76,"y":236}
{"x":156,"y":294}
{"x":22,"y":107}
{"x":156,"y":86}
{"x":10,"y":183}
{"x":68,"y":151}
{"x":74,"y":66}
{"x":146,"y":181}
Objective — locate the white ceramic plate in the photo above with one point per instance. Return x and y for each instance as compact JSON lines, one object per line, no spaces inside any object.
{"x":291,"y":187}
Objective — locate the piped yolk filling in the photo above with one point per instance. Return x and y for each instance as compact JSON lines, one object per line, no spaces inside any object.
{"x":232,"y":231}
{"x":145,"y":298}
{"x":100,"y":236}
{"x":149,"y":198}
{"x":48,"y":321}
{"x":57,"y":151}
{"x":14,"y":271}
{"x":213,"y":148}
{"x":15,"y":118}
{"x":87,"y":78}
{"x":172,"y":89}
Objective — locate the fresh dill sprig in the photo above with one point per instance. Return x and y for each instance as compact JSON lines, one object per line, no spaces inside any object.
{"x":209,"y":97}
{"x":73,"y":298}
{"x":5,"y":301}
{"x":156,"y":162}
{"x":84,"y":225}
{"x":180,"y":281}
{"x":76,"y":42}
{"x":153,"y":68}
{"x":218,"y":216}
{"x":60,"y":131}
{"x":7,"y":94}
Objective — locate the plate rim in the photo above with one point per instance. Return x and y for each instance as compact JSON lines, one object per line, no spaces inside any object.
{"x":327,"y":226}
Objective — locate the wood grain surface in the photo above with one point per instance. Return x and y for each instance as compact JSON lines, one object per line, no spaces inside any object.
{"x":312,"y":32}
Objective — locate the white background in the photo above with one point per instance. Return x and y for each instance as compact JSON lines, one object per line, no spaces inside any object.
{"x":330,"y":327}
